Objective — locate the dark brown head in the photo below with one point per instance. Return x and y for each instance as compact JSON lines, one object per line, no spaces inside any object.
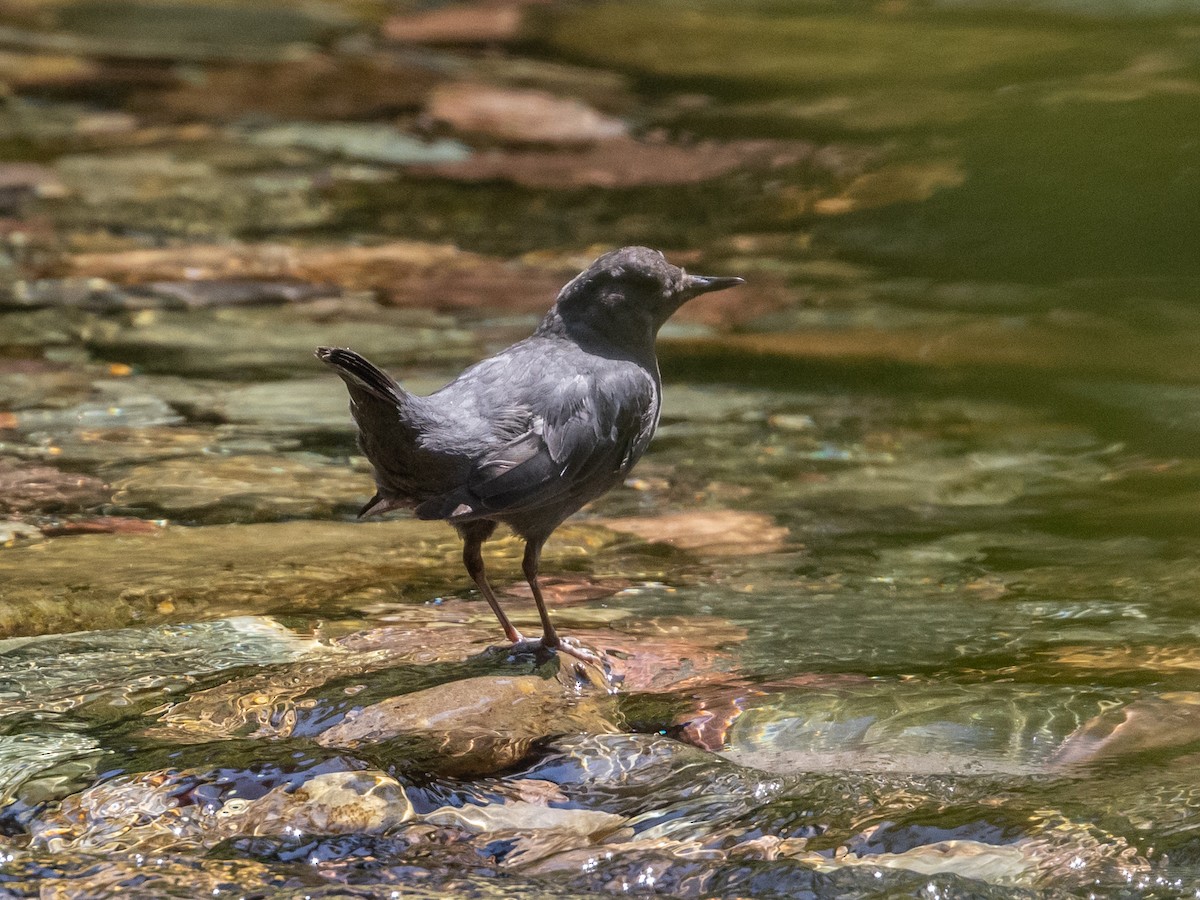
{"x":625,"y":296}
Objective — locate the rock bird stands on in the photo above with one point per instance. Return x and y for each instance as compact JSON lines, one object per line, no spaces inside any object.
{"x":530,"y":435}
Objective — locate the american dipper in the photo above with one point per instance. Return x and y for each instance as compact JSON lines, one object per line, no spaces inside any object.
{"x":533,"y":433}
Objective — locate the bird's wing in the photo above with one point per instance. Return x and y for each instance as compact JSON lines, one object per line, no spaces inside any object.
{"x":586,"y":428}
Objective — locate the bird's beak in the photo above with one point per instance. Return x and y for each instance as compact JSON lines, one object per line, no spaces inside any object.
{"x":695,"y":285}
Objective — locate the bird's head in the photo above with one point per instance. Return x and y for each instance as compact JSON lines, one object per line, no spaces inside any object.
{"x":626,"y":295}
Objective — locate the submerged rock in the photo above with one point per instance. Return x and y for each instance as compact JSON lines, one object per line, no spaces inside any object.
{"x":486,"y":22}
{"x":164,"y":191}
{"x":43,"y":489}
{"x":623,"y":162}
{"x":317,"y":86}
{"x":361,"y":141}
{"x":710,"y":533}
{"x":242,"y":488}
{"x":363,"y":802}
{"x":185,"y":573}
{"x":520,"y":116}
{"x":401,"y":273}
{"x":476,"y":725}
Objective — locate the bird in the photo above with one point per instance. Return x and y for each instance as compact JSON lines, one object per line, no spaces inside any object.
{"x":525,"y":438}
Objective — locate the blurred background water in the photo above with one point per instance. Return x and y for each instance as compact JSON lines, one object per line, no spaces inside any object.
{"x":903,"y":595}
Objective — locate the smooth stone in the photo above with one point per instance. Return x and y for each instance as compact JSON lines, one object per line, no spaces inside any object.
{"x":361,"y":802}
{"x":486,"y":22}
{"x":1006,"y":864}
{"x":520,"y":116}
{"x":44,"y":489}
{"x":723,"y":532}
{"x":163,"y":191}
{"x":624,"y":162}
{"x":478,"y":725}
{"x":316,"y":86}
{"x":411,"y":274}
{"x":275,"y":341}
{"x":13,"y":532}
{"x":1167,"y":721}
{"x":146,"y":29}
{"x":242,"y":488}
{"x":51,"y":675}
{"x":361,"y":141}
{"x":524,"y":816}
{"x":182,"y":573}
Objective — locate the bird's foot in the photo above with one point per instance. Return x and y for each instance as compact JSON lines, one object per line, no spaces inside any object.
{"x":541,"y":650}
{"x":572,"y":647}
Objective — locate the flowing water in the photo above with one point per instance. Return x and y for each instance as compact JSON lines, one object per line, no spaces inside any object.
{"x":903,"y":598}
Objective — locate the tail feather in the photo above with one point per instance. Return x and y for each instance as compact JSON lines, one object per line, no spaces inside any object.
{"x":356,"y":371}
{"x":388,"y":419}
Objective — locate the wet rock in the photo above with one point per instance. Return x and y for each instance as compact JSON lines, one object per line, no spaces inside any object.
{"x":1170,"y":720}
{"x":125,"y":812}
{"x":205,"y":571}
{"x":42,"y":489}
{"x":316,"y":87}
{"x":362,"y":141}
{"x":520,"y":116}
{"x":36,"y":765}
{"x":1009,"y":864}
{"x":403,"y":273}
{"x":487,"y":22}
{"x":99,"y":525}
{"x":362,"y":802}
{"x":145,"y":29}
{"x":47,"y":676}
{"x":21,"y":181}
{"x":477,"y":725}
{"x":46,"y":70}
{"x":183,"y":573}
{"x":603,"y":89}
{"x":99,"y":295}
{"x":277,"y":342}
{"x":13,"y":533}
{"x":118,"y":405}
{"x":192,"y":197}
{"x":621,"y":162}
{"x":242,"y":488}
{"x":31,"y":383}
{"x":712,"y":533}
{"x":500,"y":818}
{"x":920,"y":729}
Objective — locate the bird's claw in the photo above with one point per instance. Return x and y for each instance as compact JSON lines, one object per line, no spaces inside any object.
{"x":540,"y":650}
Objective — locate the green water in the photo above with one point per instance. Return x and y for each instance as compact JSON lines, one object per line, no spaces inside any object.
{"x":908,"y":604}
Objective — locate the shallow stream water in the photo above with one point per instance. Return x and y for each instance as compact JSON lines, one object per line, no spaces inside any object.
{"x":901,"y":602}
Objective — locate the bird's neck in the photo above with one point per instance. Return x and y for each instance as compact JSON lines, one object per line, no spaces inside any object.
{"x":629,"y":340}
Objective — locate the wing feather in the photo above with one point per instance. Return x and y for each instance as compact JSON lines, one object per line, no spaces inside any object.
{"x":587,"y":433}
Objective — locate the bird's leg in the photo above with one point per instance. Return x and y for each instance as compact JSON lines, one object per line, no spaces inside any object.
{"x":550,"y":638}
{"x":473,"y":560}
{"x":533,"y":557}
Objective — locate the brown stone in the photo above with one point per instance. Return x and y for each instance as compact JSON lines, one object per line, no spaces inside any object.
{"x":46,"y":489}
{"x":488,"y":22}
{"x":624,"y":162}
{"x":515,"y":116}
{"x":721,"y":532}
{"x":316,"y":87}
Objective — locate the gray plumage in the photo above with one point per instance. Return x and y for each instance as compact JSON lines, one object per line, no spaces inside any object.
{"x":533,"y":433}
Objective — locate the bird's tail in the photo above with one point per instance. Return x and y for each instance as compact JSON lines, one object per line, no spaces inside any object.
{"x":387,"y":432}
{"x":360,"y":374}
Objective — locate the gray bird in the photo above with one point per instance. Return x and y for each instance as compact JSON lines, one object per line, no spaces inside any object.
{"x":533,"y":433}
